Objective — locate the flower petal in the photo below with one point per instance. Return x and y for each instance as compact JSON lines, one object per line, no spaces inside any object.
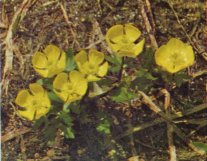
{"x":36,"y":89}
{"x":115,"y":34}
{"x":63,"y":95}
{"x":60,"y":80}
{"x":39,"y":60}
{"x":138,"y":48}
{"x":23,"y":98}
{"x":92,"y":78}
{"x":132,"y":33}
{"x":79,"y":82}
{"x":81,"y":57}
{"x":46,"y":101}
{"x":162,"y":56}
{"x":41,"y":111}
{"x":190,"y":57}
{"x":52,"y":52}
{"x":62,"y":62}
{"x":95,"y":56}
{"x":75,"y":77}
{"x":103,"y":69}
{"x":28,"y":113}
{"x":42,"y":72}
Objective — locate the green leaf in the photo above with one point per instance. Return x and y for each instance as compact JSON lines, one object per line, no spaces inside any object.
{"x":68,"y":133}
{"x":70,"y":64}
{"x":181,"y":77}
{"x":200,"y":145}
{"x":47,"y":82}
{"x":50,"y":132}
{"x":53,"y":97}
{"x":122,"y":95}
{"x":66,"y":118}
{"x":40,"y":82}
{"x":144,"y":80}
{"x":147,"y":58}
{"x":75,"y":107}
{"x":104,"y":127}
{"x":38,"y":123}
{"x":116,"y":63}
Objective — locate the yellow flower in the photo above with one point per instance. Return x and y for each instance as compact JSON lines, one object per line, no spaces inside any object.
{"x":70,"y":87}
{"x":92,"y":65}
{"x":122,"y":40}
{"x":49,"y":62}
{"x":174,"y":56}
{"x":35,"y":102}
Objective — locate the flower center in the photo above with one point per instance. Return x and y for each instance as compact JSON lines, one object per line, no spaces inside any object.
{"x":69,"y":87}
{"x":124,"y":40}
{"x":91,"y":68}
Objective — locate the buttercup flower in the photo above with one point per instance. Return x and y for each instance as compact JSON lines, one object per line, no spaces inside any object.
{"x":92,"y":65}
{"x":70,"y":87}
{"x":122,"y":40}
{"x":35,"y":102}
{"x":49,"y":62}
{"x":174,"y":56}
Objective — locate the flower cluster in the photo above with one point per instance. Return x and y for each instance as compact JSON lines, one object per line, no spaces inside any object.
{"x":124,"y":40}
{"x":69,"y":87}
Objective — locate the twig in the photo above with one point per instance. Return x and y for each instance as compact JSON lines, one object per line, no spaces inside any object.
{"x":198,"y":50}
{"x":19,"y":14}
{"x":179,"y":132}
{"x":170,"y":130}
{"x":161,"y":120}
{"x":131,"y":137}
{"x":15,"y":133}
{"x":147,"y":25}
{"x":69,"y":24}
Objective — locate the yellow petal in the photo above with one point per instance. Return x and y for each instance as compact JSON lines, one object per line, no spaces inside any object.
{"x":92,"y":78}
{"x":42,"y":72}
{"x":190,"y":57}
{"x":162,"y":57}
{"x":115,"y":34}
{"x":132,"y":33}
{"x":39,"y":60}
{"x":41,"y":111}
{"x":81,"y":57}
{"x":46,"y":101}
{"x":28,"y":113}
{"x":95,"y":56}
{"x":23,"y":98}
{"x":52,"y":52}
{"x":76,"y":76}
{"x":60,"y":80}
{"x":79,"y":82}
{"x":53,"y":71}
{"x":115,"y":47}
{"x":138,"y":48}
{"x":72,"y":98}
{"x":103,"y":69}
{"x":62,"y":62}
{"x":63,"y":95}
{"x":36,"y":89}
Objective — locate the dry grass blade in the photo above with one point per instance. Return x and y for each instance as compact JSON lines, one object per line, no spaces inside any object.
{"x":147,"y":25}
{"x":198,"y":48}
{"x":170,"y":130}
{"x":161,"y":120}
{"x":9,"y":44}
{"x":15,"y":133}
{"x":156,"y":109}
